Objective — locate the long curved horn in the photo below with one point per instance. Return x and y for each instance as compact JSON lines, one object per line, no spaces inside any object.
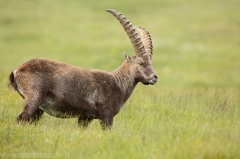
{"x":146,"y":40}
{"x":131,"y":32}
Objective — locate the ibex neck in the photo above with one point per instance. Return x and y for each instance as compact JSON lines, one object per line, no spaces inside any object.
{"x":125,"y":78}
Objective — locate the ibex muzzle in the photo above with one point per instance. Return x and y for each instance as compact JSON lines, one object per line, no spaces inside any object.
{"x":66,"y":91}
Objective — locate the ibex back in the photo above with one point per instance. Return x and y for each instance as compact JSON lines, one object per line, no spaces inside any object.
{"x":66,"y":91}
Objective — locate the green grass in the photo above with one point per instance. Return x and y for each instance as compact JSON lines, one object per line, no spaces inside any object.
{"x":192,"y":112}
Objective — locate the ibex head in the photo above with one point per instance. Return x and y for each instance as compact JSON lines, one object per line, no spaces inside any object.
{"x":142,"y":43}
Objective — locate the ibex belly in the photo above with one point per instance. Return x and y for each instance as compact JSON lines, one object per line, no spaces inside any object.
{"x":62,"y":109}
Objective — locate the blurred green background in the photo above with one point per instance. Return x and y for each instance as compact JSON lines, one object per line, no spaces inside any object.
{"x":196,"y":43}
{"x":193,"y":110}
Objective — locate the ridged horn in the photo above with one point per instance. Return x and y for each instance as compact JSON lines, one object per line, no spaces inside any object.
{"x":146,"y":40}
{"x":131,"y":32}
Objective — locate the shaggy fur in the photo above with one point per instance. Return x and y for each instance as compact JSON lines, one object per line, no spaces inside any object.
{"x":66,"y":91}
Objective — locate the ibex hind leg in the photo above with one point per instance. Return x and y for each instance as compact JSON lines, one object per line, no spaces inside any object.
{"x":31,"y":112}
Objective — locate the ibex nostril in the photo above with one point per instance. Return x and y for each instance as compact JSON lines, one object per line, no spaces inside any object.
{"x":156,"y":76}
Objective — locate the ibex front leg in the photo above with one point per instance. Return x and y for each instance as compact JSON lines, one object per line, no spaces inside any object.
{"x":106,"y":120}
{"x":83,"y":122}
{"x":106,"y":123}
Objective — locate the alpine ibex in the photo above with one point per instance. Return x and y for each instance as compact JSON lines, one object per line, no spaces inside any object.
{"x":66,"y":91}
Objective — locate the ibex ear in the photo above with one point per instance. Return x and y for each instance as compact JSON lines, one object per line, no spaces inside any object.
{"x":126,"y":56}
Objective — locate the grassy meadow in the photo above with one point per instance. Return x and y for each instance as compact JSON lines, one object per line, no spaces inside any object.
{"x":192,"y":112}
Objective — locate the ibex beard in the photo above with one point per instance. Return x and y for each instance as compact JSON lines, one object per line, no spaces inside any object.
{"x":66,"y":91}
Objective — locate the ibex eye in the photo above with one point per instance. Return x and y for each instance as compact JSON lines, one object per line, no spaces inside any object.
{"x":141,"y":64}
